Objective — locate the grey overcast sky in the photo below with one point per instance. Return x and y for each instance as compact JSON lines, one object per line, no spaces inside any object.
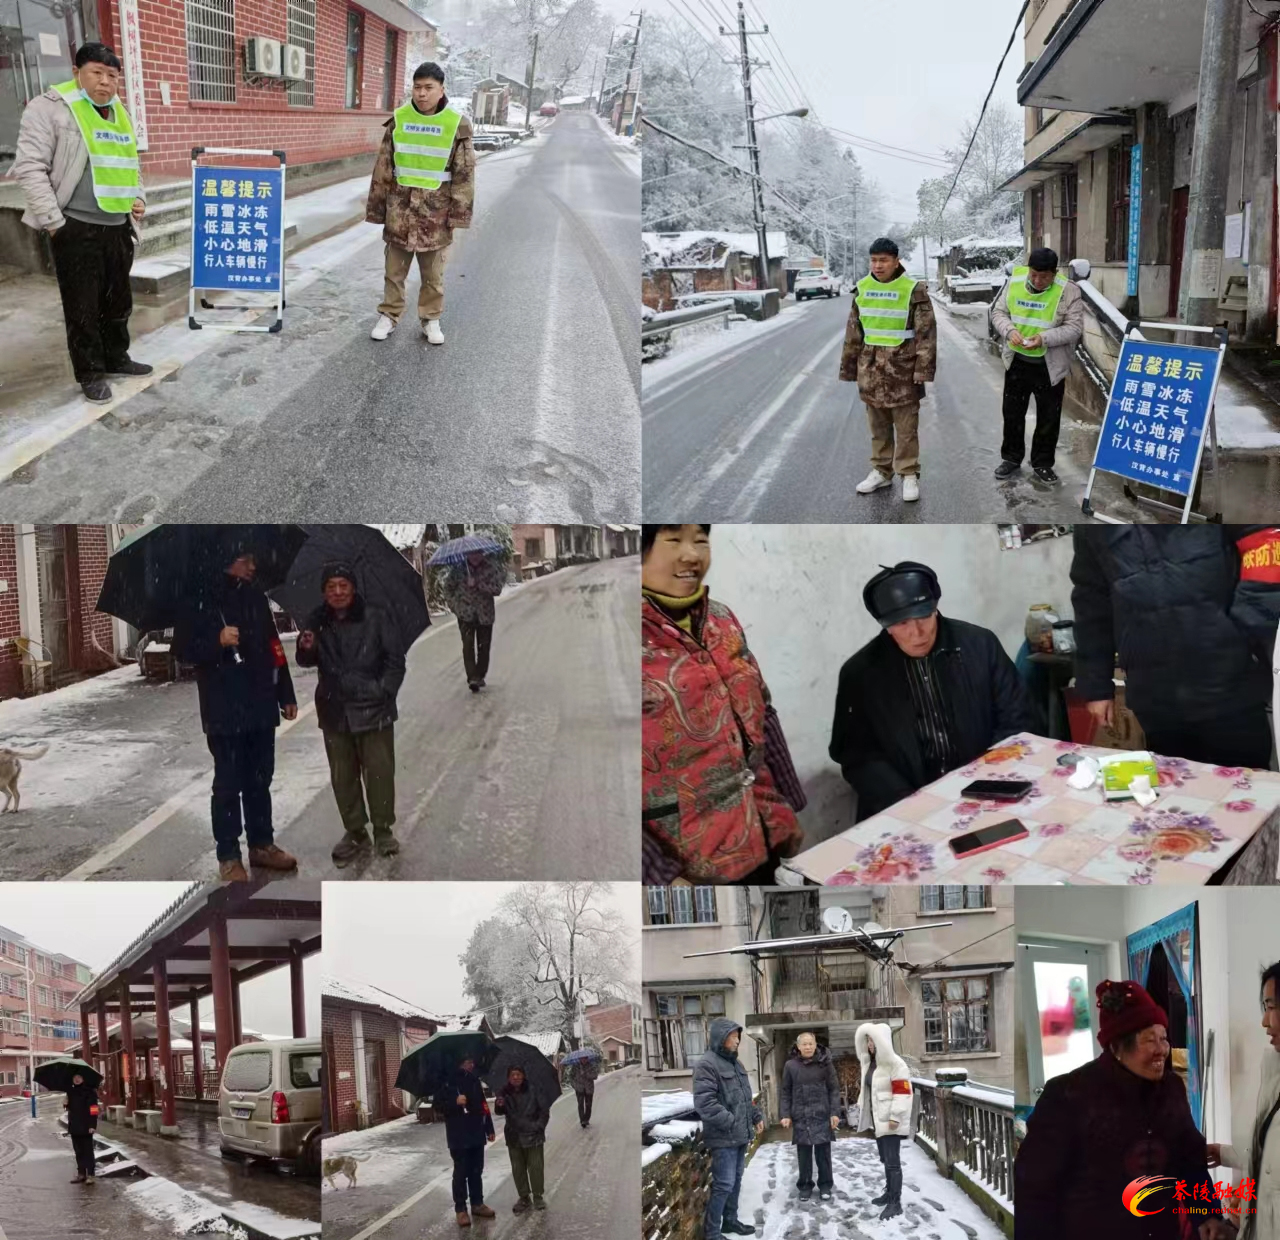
{"x":407,"y":937}
{"x":95,"y":922}
{"x":903,"y":74}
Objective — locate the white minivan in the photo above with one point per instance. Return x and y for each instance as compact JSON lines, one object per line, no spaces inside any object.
{"x":269,"y":1102}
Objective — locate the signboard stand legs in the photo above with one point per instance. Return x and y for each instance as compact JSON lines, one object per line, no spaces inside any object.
{"x":237,"y":237}
{"x":1137,"y":424}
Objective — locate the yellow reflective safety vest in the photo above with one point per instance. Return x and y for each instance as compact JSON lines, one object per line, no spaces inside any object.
{"x":1030,"y":311}
{"x":423,"y":144}
{"x":883,"y":309}
{"x":112,"y":147}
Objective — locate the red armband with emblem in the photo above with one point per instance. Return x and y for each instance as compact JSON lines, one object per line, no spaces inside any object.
{"x":1260,"y":556}
{"x":277,"y":651}
{"x":901,"y":1087}
{"x":93,"y":1108}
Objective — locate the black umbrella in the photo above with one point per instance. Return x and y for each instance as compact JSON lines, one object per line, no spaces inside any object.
{"x":160,"y":573}
{"x":539,"y":1071}
{"x":383,"y":577}
{"x":56,"y":1074}
{"x":428,"y":1068}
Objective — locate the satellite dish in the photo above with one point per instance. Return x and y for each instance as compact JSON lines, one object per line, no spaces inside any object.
{"x":837,"y":920}
{"x":871,"y":927}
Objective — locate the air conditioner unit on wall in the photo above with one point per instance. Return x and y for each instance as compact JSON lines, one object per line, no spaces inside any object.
{"x":293,"y":60}
{"x":262,"y":56}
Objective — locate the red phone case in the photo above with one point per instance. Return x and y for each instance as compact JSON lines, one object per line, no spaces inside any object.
{"x":973,"y":852}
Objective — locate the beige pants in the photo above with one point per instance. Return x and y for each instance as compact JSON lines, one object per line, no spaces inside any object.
{"x":895,"y":438}
{"x":430,"y":295}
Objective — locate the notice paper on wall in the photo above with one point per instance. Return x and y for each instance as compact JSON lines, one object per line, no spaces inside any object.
{"x":49,"y":45}
{"x":1233,"y":242}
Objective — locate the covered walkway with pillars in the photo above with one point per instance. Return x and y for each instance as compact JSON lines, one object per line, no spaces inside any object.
{"x":212,"y":940}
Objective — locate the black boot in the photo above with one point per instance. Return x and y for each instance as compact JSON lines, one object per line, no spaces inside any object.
{"x":893,"y":1207}
{"x":884,"y":1196}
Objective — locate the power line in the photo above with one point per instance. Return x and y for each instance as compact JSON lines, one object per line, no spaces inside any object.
{"x":1013,"y":34}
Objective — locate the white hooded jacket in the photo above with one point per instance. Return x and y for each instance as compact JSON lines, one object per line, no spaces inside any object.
{"x":1267,"y":1221}
{"x":892,"y":1093}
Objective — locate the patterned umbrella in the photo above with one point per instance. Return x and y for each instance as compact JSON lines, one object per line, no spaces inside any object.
{"x":456,"y":550}
{"x":582,"y":1055}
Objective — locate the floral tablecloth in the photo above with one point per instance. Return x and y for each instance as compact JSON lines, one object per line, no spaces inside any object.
{"x":1204,"y":818}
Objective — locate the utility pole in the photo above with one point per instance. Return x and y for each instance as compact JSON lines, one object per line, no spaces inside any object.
{"x":528,"y":99}
{"x":753,"y":148}
{"x":635,"y":47}
{"x":1210,"y":164}
{"x":591,"y":81}
{"x":31,"y":1026}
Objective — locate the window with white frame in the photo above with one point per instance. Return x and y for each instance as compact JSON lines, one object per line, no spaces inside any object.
{"x":302,"y":31}
{"x":211,"y":51}
{"x":957,"y":1015}
{"x":681,"y":906}
{"x":953,"y":898}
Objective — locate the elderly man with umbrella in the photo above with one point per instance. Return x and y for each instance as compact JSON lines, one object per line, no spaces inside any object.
{"x":208,"y":583}
{"x":583,"y":1068}
{"x":474,"y":577}
{"x":527,"y":1086}
{"x":80,"y":1083}
{"x":364,"y":606}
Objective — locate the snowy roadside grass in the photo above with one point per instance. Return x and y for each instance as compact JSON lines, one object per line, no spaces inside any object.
{"x":188,"y":1214}
{"x":929,"y":1201}
{"x":393,"y":1132}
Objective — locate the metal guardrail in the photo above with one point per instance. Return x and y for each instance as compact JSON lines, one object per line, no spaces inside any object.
{"x":967,"y":1129}
{"x":672,"y":320}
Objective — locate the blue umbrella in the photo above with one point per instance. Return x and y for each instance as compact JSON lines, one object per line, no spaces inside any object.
{"x":456,"y":550}
{"x":583,"y":1054}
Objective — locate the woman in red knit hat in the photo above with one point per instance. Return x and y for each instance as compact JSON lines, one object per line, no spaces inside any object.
{"x":1120,"y":1118}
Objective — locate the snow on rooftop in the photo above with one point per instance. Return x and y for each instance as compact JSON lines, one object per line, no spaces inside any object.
{"x":373,"y":996}
{"x":674,"y":1105}
{"x":548,"y":1043}
{"x":977,"y":241}
{"x":668,"y":245}
{"x":402,"y":535}
{"x":469,"y":1020}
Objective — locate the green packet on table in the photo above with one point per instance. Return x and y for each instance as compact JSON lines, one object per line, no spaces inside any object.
{"x":1120,"y":770}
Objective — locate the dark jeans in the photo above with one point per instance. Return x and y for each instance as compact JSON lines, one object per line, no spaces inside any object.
{"x":243,"y":766}
{"x":362,"y":768}
{"x":468,"y":1170}
{"x":527,"y":1169}
{"x":584,"y":1108}
{"x":890,"y":1151}
{"x":475,"y":649}
{"x":726,"y":1183}
{"x":92,"y":262}
{"x":806,"y":1154}
{"x":1022,"y":380}
{"x":82,"y":1144}
{"x":1233,"y":740}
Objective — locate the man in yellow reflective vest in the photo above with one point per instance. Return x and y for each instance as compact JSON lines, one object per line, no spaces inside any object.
{"x":1040,"y":317}
{"x":77,"y":163}
{"x":423,"y":188}
{"x":891,"y":350}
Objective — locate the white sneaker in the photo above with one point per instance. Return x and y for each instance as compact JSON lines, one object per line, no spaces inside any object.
{"x":873,"y":482}
{"x":910,"y":488}
{"x":431,"y":330}
{"x":382,"y":328}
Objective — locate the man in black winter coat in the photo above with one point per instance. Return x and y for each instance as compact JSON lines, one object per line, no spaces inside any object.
{"x":927,"y":695}
{"x":361,"y":669}
{"x":526,"y":1135}
{"x":82,"y":1123}
{"x":468,"y":1126}
{"x":810,"y":1107}
{"x":244,"y":684}
{"x":1191,"y":611}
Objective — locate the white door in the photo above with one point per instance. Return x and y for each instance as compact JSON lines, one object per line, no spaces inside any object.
{"x":1056,"y":979}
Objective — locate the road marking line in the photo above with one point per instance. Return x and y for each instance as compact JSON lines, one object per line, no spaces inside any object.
{"x":694,"y":497}
{"x":749,"y":497}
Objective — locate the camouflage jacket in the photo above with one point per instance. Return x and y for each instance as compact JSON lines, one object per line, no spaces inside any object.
{"x":887,"y":377}
{"x":423,"y":219}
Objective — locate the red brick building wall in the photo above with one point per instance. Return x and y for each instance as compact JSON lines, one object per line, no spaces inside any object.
{"x":614,"y":1020}
{"x":339,"y":1044}
{"x":261,"y":116}
{"x":10,"y":660}
{"x":87,"y":568}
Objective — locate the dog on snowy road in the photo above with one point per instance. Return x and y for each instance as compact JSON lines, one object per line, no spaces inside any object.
{"x":11,"y":761}
{"x":344,"y":1164}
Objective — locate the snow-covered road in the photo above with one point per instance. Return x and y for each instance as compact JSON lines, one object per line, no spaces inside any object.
{"x":403,"y":1185}
{"x":933,"y":1208}
{"x":524,"y":780}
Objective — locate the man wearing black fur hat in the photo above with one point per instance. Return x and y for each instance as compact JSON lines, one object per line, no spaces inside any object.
{"x":927,"y":695}
{"x":361,"y":668}
{"x":891,"y":350}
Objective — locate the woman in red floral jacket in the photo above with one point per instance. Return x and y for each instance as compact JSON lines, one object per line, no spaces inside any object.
{"x":712,"y":809}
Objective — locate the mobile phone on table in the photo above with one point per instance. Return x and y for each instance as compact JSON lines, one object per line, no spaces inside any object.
{"x":998,"y":789}
{"x":995,"y":836}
